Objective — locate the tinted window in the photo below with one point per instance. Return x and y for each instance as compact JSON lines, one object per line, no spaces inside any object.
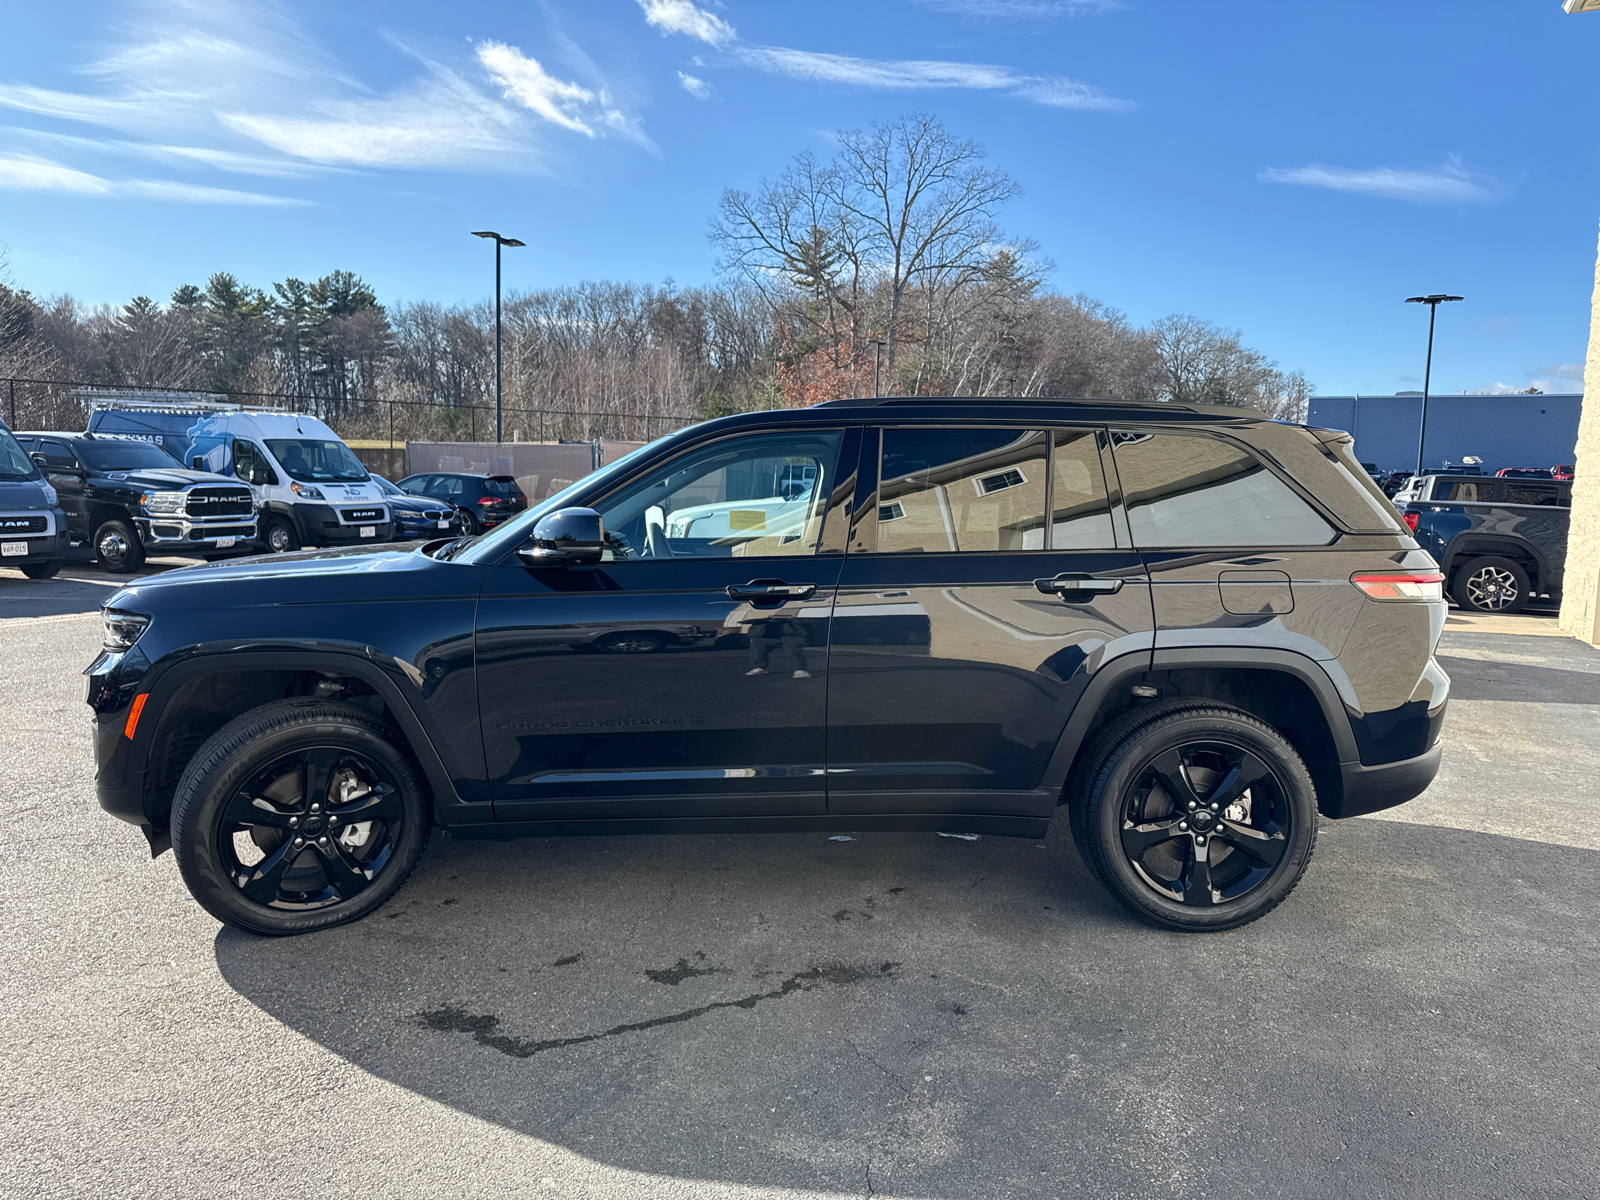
{"x":1080,"y":514}
{"x":56,"y":453}
{"x":961,"y":489}
{"x":1199,"y":491}
{"x":499,"y":487}
{"x":1548,"y":494}
{"x":734,"y":498}
{"x":126,"y":456}
{"x":417,"y":484}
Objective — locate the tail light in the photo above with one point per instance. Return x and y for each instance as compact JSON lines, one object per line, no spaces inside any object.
{"x":486,"y":499}
{"x":1410,"y":519}
{"x":1409,"y":585}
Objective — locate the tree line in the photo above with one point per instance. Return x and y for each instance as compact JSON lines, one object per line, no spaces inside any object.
{"x":885,"y":267}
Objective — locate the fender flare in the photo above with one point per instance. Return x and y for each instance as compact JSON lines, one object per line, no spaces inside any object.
{"x":449,"y":807}
{"x":1477,"y":546}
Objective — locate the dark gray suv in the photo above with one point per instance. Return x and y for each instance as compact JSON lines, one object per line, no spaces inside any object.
{"x":1196,"y":628}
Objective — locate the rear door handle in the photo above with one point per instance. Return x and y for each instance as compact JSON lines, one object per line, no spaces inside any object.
{"x":771,"y":589}
{"x":1069,"y":585}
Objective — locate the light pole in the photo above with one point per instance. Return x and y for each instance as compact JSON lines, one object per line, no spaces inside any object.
{"x":498,"y":242}
{"x":877,"y":356}
{"x":1433,"y":303}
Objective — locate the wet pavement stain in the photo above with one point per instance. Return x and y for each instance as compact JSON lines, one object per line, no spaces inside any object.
{"x":681,"y":970}
{"x":568,"y":960}
{"x":458,"y":1020}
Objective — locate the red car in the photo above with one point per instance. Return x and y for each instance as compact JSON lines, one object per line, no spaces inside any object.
{"x":1561,"y":471}
{"x":1527,"y":473}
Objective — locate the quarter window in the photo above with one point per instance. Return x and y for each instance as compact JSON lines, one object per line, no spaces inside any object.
{"x":1192,"y":490}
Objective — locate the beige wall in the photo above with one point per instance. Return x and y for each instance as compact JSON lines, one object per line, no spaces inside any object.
{"x":1580,"y":606}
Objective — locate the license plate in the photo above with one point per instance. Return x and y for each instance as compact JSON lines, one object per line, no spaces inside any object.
{"x":225,"y":543}
{"x":369,"y":531}
{"x":13,"y":549}
{"x":444,"y":524}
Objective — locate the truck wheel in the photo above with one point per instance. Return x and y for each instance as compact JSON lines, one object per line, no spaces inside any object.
{"x":117,"y":546}
{"x":296,"y":816}
{"x":1198,"y":817}
{"x":44,"y":570}
{"x":278,"y":536}
{"x":1490,"y":585}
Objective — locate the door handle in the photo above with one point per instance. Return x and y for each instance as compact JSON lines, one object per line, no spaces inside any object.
{"x":771,"y":589}
{"x":1070,"y":585}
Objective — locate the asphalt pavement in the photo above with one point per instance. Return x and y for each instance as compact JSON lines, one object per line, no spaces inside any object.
{"x":795,"y":1016}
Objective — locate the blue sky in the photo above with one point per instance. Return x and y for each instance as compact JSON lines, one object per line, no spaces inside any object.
{"x":1291,"y":169}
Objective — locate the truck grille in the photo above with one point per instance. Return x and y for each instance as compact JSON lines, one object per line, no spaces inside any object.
{"x":219,"y":502}
{"x":23,"y":524}
{"x":361,"y":514}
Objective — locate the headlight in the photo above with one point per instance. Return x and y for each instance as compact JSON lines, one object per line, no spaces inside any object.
{"x":306,"y":490}
{"x":122,"y":629}
{"x":50,"y":495}
{"x":163,"y":502}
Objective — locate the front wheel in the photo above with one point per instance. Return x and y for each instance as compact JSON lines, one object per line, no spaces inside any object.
{"x":279,"y":536}
{"x":1198,"y":817}
{"x":117,"y":546}
{"x":296,"y":816}
{"x":44,"y":570}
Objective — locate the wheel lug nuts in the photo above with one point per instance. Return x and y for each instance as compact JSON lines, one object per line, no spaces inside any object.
{"x":1191,"y":804}
{"x":1201,"y":840}
{"x":333,"y":820}
{"x":322,"y":841}
{"x":293,"y":821}
{"x":299,"y":841}
{"x":1183,"y":825}
{"x":1213,"y":808}
{"x":316,"y":808}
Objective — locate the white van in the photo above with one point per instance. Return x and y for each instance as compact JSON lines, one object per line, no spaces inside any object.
{"x":310,"y":490}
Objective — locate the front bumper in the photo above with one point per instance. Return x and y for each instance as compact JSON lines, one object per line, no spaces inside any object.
{"x":178,"y":533}
{"x":45,"y":545}
{"x":321,"y":525}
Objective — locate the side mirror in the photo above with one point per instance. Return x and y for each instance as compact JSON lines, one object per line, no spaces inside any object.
{"x":259,"y":474}
{"x":39,"y":461}
{"x":568,"y":537}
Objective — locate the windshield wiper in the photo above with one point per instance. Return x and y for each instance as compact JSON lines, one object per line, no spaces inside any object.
{"x":449,"y":550}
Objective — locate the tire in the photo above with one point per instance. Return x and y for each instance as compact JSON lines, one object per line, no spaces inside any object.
{"x":1161,"y":859}
{"x":44,"y":570}
{"x":242,"y":803}
{"x":117,"y":546}
{"x":1491,"y":585}
{"x":278,"y":536}
{"x":469,"y":523}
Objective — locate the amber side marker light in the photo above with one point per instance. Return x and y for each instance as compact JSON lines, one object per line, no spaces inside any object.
{"x":1412,"y":585}
{"x":133,"y":714}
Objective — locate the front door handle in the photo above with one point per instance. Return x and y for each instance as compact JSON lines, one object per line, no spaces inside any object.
{"x":771,"y":589}
{"x":1077,"y":585}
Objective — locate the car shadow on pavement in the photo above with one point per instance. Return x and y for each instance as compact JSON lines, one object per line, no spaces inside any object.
{"x":922,"y":1015}
{"x":1480,"y":679}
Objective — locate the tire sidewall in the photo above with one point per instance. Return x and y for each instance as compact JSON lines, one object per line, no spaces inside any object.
{"x":1130,"y":759}
{"x":291,"y":542}
{"x":132,"y":560}
{"x":1464,"y":574}
{"x":216,"y":773}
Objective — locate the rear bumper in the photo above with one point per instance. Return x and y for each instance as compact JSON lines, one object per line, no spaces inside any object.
{"x":1373,"y":789}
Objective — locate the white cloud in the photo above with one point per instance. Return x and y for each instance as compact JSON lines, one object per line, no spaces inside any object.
{"x":921,"y":75}
{"x":680,"y":16}
{"x":1449,"y":184}
{"x":523,"y":80}
{"x":698,"y":88}
{"x":28,"y":173}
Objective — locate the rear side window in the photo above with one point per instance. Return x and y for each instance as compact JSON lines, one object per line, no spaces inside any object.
{"x":1547,"y":494}
{"x":1192,"y":490}
{"x":962,"y":489}
{"x":1466,"y":491}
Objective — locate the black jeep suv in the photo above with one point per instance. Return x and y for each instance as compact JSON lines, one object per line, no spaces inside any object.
{"x":1195,"y":627}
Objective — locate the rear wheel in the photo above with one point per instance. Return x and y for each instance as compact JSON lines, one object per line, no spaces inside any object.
{"x":1491,"y":585}
{"x":297,"y":816}
{"x":467,"y":521}
{"x":117,"y":546}
{"x":1198,"y":817}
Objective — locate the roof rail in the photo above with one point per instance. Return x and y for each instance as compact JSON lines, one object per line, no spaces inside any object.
{"x":1232,"y":410}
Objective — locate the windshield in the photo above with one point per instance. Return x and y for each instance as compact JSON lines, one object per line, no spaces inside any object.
{"x":387,"y":488}
{"x":127,"y":455}
{"x":14,"y":464}
{"x":314,"y":460}
{"x":514,"y":532}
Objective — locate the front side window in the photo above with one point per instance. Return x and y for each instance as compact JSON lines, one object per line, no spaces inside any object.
{"x":954,"y":489}
{"x":1080,"y":511}
{"x":248,"y":460}
{"x":317,"y":460}
{"x":759,"y":496}
{"x":1193,"y":490}
{"x":56,"y":455}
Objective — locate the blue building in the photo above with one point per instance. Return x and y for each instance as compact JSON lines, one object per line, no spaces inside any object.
{"x":1504,"y":431}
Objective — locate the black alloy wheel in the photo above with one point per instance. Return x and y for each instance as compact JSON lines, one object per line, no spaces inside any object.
{"x":1491,"y":585}
{"x":117,"y":546}
{"x":297,"y":816}
{"x":1198,"y":817}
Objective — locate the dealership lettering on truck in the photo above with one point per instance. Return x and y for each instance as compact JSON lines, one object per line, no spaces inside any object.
{"x":310,"y":490}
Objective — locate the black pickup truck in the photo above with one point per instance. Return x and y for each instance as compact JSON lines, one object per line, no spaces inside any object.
{"x":1500,"y":542}
{"x":126,"y":497}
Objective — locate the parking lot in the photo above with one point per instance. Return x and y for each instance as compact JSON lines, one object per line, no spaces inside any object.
{"x":793,"y":1015}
